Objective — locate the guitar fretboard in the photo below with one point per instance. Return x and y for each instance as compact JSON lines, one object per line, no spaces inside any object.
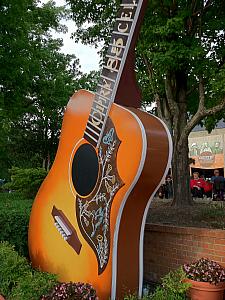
{"x":114,"y":62}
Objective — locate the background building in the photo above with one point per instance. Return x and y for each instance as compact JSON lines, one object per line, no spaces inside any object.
{"x":207,"y":150}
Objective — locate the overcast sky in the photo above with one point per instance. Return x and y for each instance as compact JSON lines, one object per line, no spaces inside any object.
{"x":89,"y":59}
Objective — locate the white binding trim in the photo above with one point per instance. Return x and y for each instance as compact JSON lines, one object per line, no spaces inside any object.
{"x":141,"y":245}
{"x":70,"y":167}
{"x":117,"y":226}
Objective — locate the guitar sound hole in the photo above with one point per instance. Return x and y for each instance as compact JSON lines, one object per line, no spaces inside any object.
{"x":85,"y":169}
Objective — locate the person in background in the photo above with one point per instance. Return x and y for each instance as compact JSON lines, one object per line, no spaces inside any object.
{"x":197,"y":186}
{"x":168,"y":187}
{"x":217,"y":176}
{"x":208,"y":188}
{"x":218,"y":185}
{"x":161,"y":191}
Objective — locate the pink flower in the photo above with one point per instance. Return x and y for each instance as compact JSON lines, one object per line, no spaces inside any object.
{"x":205,"y":270}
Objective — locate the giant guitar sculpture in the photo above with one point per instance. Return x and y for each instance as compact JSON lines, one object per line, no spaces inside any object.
{"x":87,"y":220}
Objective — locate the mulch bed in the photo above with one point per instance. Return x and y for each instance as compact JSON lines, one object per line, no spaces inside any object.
{"x":203,"y":213}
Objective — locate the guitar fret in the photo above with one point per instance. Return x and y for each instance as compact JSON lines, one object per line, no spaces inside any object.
{"x":106,"y":88}
{"x":124,"y":20}
{"x":117,"y":46}
{"x":105,"y":107}
{"x":121,"y":33}
{"x":90,"y":136}
{"x":99,"y":95}
{"x":112,"y":70}
{"x":128,"y":5}
{"x":113,"y":57}
{"x":92,"y":130}
{"x":100,"y":121}
{"x":92,"y":124}
{"x":107,"y":78}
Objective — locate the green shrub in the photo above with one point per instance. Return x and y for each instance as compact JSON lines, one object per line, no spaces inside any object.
{"x":135,"y":297}
{"x":14,"y":220}
{"x":173,"y":287}
{"x":32,"y":286}
{"x":26,"y":181}
{"x":12,"y":267}
{"x":18,"y":280}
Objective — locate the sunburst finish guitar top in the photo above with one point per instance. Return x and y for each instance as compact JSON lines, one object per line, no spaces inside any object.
{"x":87,"y":220}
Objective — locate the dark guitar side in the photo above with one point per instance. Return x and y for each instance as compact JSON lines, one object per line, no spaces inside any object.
{"x":129,"y":272}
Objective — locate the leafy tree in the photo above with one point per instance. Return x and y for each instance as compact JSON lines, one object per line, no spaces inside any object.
{"x":25,"y":181}
{"x":26,"y":51}
{"x":34,"y":137}
{"x":23,"y":28}
{"x":36,"y":82}
{"x":180,"y":63}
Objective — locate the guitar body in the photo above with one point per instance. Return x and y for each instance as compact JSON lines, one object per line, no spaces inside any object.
{"x":102,"y":240}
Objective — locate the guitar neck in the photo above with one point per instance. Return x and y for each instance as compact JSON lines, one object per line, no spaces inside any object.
{"x":113,"y":67}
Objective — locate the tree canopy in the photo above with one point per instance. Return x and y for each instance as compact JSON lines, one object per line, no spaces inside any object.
{"x":36,"y":82}
{"x":24,"y":29}
{"x":180,"y":65}
{"x":175,"y":36}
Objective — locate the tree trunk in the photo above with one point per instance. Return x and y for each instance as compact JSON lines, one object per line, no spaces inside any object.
{"x":43,"y":163}
{"x":48,"y":162}
{"x":180,"y":174}
{"x":176,"y":90}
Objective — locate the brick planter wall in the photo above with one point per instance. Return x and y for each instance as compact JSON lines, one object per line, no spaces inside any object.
{"x":168,"y":247}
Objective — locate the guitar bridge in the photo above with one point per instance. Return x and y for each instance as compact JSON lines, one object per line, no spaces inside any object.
{"x":66,"y":229}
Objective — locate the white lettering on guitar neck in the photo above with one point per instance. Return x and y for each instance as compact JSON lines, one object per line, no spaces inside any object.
{"x":106,"y":88}
{"x":96,"y":118}
{"x":101,"y":103}
{"x":116,"y":47}
{"x":112,"y":64}
{"x":120,"y":29}
{"x":126,"y":16}
{"x":99,"y":107}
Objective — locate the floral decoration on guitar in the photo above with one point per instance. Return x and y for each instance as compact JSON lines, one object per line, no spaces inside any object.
{"x":93,"y":212}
